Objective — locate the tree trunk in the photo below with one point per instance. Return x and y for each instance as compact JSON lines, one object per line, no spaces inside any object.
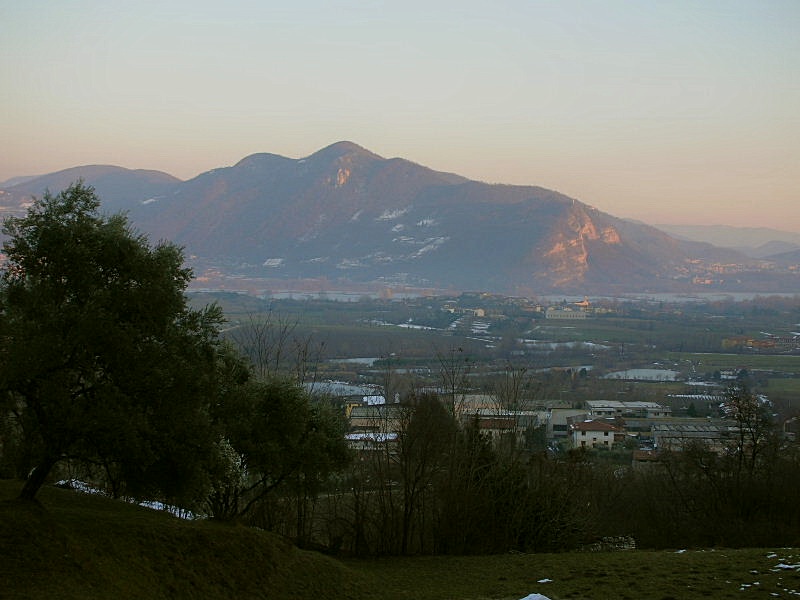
{"x":37,"y":478}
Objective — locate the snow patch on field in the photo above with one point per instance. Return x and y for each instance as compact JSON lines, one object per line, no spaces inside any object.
{"x":391,"y":215}
{"x":87,"y":488}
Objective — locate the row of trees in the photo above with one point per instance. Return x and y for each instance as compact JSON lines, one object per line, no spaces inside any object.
{"x":447,"y":488}
{"x":444,"y":487}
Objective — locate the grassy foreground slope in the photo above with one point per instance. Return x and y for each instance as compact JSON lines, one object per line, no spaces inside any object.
{"x":78,"y":546}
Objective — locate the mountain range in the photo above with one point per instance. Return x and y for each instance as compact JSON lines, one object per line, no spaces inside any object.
{"x":346,"y":218}
{"x":756,"y":242}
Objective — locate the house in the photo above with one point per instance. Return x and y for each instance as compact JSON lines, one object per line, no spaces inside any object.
{"x":375,"y":418}
{"x":558,"y":420}
{"x":373,"y":427}
{"x":497,"y":423}
{"x":597,"y":432}
{"x":497,"y":426}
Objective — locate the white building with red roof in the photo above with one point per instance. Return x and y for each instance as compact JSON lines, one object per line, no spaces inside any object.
{"x":596,"y":432}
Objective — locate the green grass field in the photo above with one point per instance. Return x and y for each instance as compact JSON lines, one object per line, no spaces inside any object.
{"x":787,"y":387}
{"x":713,"y":362}
{"x":630,"y":575}
{"x":73,"y":545}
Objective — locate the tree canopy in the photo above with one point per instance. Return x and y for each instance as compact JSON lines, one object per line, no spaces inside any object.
{"x":274,"y":437}
{"x":102,"y":358}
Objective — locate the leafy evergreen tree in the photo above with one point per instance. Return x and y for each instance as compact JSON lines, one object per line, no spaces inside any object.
{"x":102,"y":359}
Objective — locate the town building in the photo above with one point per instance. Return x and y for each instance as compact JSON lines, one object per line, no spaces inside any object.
{"x":596,"y":432}
{"x":625,"y":409}
{"x":676,"y":435}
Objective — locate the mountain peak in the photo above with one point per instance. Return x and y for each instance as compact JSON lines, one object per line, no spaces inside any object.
{"x":260,"y":159}
{"x":343,"y":149}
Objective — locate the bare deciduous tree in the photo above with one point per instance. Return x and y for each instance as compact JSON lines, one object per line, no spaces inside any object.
{"x":275,"y":347}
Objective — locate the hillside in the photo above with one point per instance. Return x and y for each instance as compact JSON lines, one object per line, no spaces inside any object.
{"x":75,"y":545}
{"x":345,"y":217}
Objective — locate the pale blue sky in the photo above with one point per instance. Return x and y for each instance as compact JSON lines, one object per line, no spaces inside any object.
{"x":664,"y":111}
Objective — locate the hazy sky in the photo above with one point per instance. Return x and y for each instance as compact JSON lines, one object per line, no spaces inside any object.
{"x":666,"y":111}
